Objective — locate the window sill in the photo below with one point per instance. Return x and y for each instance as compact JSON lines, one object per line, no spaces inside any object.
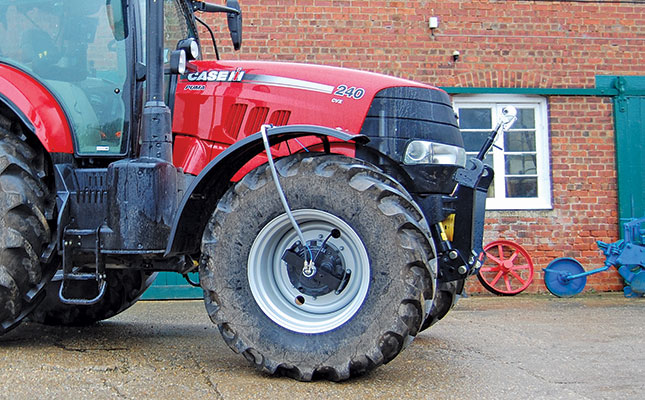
{"x":518,"y":204}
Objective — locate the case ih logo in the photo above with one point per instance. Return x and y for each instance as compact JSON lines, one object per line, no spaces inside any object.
{"x":216,"y":76}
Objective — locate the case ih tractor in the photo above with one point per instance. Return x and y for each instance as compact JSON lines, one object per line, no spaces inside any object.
{"x":311,"y":200}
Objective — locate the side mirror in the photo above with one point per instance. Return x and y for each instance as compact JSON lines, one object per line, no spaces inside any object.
{"x":235,"y":23}
{"x":509,"y":116}
{"x":116,"y":20}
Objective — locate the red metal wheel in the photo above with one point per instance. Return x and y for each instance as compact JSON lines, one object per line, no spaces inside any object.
{"x":508,"y":269}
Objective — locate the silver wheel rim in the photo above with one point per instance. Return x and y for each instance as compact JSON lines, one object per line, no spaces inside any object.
{"x":274,"y":292}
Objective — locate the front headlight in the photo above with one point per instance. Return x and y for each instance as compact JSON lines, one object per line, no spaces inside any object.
{"x":422,"y":152}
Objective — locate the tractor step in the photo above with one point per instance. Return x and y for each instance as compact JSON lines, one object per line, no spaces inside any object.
{"x":73,"y":239}
{"x":101,"y":285}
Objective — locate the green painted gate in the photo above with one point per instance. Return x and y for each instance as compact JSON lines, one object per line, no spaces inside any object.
{"x":171,"y":285}
{"x":629,"y":114}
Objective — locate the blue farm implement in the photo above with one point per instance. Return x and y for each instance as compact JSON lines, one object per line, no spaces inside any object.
{"x":565,"y":277}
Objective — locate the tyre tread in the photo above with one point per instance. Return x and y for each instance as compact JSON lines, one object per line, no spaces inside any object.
{"x":24,"y":231}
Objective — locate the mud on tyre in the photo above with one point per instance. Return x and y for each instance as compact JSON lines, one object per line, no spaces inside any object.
{"x":24,"y":230}
{"x":286,"y":324}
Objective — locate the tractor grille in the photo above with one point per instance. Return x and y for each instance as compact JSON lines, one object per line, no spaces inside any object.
{"x":257,"y":117}
{"x":234,"y":120}
{"x":280,"y":118}
{"x":88,"y":198}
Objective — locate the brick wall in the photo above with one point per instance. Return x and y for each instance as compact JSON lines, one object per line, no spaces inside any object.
{"x":519,"y":44}
{"x":584,"y":194}
{"x":502,"y":43}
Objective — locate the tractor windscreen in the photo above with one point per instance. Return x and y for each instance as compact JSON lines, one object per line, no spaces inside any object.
{"x":76,"y":48}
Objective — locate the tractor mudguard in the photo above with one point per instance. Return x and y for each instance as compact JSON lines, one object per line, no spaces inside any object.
{"x":4,"y":101}
{"x":202,"y":195}
{"x":37,"y":108}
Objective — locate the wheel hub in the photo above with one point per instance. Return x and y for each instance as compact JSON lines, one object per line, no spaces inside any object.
{"x":324,"y":275}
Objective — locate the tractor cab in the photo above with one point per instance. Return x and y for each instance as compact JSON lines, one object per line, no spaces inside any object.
{"x":92,"y":58}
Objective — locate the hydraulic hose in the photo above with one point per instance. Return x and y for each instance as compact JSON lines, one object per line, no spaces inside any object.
{"x":283,"y":198}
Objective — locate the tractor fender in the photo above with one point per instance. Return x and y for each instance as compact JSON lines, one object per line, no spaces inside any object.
{"x":37,"y":109}
{"x":204,"y":192}
{"x":17,"y":112}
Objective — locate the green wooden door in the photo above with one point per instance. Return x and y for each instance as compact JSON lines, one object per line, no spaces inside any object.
{"x":630,"y":151}
{"x":629,"y":117}
{"x":629,"y":112}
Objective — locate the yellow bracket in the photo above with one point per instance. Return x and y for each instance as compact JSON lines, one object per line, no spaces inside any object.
{"x":448,"y":228}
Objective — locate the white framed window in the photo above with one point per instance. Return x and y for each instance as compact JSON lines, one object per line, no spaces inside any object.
{"x":520,"y":157}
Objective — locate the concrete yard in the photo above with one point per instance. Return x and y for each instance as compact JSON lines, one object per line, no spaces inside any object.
{"x":523,"y":347}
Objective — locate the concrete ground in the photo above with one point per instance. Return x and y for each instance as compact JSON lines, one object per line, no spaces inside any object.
{"x":536,"y":347}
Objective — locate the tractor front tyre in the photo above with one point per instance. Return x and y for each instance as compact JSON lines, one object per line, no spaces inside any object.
{"x":24,"y":230}
{"x":124,"y":287}
{"x":361,"y":303}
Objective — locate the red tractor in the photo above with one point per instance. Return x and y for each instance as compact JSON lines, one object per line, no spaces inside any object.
{"x":311,"y":200}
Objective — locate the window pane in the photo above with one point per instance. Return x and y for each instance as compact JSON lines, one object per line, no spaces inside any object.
{"x":475,"y":118}
{"x":525,"y":119}
{"x":491,"y":191}
{"x":488,"y":160}
{"x":522,"y":164}
{"x":474,"y":140}
{"x":77,"y":50}
{"x":519,"y":141}
{"x":521,"y":187}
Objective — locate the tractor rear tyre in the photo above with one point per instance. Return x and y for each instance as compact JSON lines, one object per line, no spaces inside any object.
{"x":24,"y":230}
{"x":124,"y":287}
{"x":291,"y":321}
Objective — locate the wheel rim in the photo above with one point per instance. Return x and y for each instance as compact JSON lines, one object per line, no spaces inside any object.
{"x":508,"y":268}
{"x":274,"y":292}
{"x":556,"y":277}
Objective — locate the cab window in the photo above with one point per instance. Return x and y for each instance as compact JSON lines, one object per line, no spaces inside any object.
{"x":77,"y":50}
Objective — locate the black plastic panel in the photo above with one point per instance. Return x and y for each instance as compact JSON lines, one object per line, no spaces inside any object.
{"x":412,"y":113}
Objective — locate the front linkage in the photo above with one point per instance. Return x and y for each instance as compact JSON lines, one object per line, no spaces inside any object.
{"x":461,"y":256}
